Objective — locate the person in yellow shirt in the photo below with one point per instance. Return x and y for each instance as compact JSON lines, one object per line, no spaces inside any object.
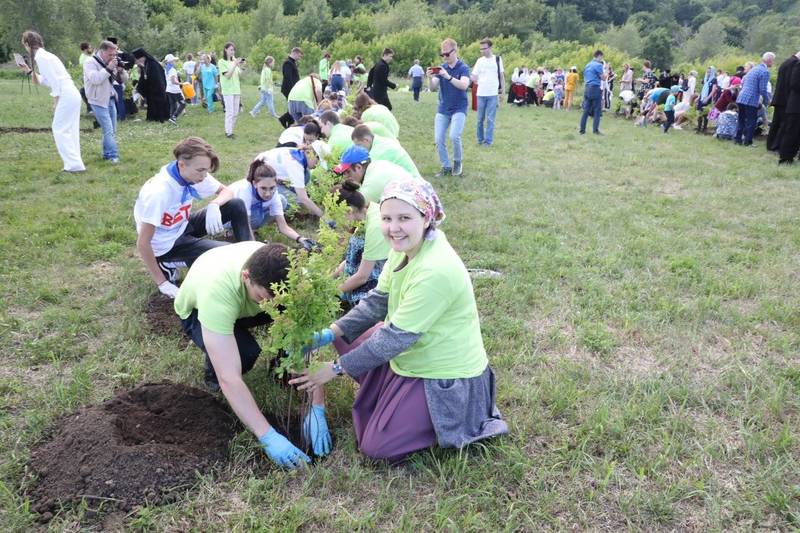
{"x":570,"y":86}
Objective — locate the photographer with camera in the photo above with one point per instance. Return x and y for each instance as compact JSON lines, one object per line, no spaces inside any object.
{"x":99,"y":74}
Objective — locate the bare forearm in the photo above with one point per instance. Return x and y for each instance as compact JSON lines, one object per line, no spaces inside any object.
{"x":149,"y":260}
{"x":243,"y":404}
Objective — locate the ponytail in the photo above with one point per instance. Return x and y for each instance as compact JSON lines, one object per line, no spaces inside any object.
{"x":258,"y":170}
{"x":33,"y":41}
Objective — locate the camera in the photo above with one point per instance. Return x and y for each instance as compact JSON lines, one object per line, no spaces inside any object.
{"x":125,"y":59}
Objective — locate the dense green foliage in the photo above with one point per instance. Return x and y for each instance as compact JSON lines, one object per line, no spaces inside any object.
{"x":685,"y":33}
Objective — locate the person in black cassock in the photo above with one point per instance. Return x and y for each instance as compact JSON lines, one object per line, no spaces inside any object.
{"x":291,"y":75}
{"x":152,"y":85}
{"x":378,"y":81}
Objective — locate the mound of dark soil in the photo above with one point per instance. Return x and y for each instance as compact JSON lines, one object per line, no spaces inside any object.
{"x":143,"y":445}
{"x":161,"y":316}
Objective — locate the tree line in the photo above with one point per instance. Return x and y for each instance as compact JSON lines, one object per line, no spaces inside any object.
{"x":671,"y":33}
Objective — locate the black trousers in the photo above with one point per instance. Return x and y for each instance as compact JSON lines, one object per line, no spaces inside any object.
{"x":191,"y":244}
{"x":789,"y":137}
{"x":249,"y":349}
{"x":176,"y":104}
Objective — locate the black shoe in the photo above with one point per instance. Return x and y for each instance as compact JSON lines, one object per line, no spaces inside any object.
{"x":457,"y":170}
{"x":445,"y":171}
{"x":786,"y":162}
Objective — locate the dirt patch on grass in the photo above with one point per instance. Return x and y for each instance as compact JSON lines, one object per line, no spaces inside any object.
{"x":161,"y":316}
{"x":143,"y":445}
{"x":34,"y":130}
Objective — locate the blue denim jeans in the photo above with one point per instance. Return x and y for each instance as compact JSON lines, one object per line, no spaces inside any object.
{"x":456,"y":124}
{"x":107,"y":118}
{"x":746,"y":127}
{"x":416,"y":87}
{"x":487,"y":109}
{"x":265,"y":101}
{"x":592,"y":100}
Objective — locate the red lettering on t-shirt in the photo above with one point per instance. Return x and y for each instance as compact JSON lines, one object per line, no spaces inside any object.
{"x":181,"y":214}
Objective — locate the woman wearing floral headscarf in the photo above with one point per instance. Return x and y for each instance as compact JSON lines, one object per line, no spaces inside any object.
{"x":423,"y":373}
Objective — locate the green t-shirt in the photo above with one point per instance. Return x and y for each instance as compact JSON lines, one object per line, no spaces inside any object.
{"x":382,"y":114}
{"x":432,"y":295}
{"x":376,"y":247}
{"x":341,"y":137}
{"x":303,"y":91}
{"x":380,"y":130}
{"x":266,"y":80}
{"x":385,"y":149}
{"x":324,"y":68}
{"x":83,"y":57}
{"x":229,"y":86}
{"x":215,"y":288}
{"x":378,"y":174}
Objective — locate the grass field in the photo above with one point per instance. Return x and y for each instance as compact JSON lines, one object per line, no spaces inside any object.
{"x":645,"y":333}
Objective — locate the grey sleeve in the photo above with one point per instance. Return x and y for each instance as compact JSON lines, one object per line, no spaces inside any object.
{"x":385,"y":344}
{"x":369,"y":311}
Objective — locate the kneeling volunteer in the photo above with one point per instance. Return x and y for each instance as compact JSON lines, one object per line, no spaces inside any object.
{"x":424,"y":376}
{"x":169,"y":236}
{"x":217,"y":304}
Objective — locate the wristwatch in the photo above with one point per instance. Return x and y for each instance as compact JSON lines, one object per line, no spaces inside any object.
{"x":337,"y":368}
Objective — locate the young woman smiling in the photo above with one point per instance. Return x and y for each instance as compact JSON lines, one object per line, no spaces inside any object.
{"x":423,"y":372}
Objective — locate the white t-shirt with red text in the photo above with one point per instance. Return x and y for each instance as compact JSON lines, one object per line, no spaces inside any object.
{"x":159,"y":203}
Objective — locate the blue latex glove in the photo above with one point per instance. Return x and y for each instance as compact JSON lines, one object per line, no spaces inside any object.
{"x":321,"y":338}
{"x":281,"y":451}
{"x":315,"y":430}
{"x":331,"y":224}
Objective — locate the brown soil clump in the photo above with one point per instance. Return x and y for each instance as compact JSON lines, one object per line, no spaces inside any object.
{"x":161,"y":316}
{"x":146,"y":445}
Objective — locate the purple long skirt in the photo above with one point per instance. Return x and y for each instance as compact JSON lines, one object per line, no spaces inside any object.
{"x":390,"y":412}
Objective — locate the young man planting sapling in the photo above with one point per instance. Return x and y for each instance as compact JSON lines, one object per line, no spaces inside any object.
{"x":217,"y":303}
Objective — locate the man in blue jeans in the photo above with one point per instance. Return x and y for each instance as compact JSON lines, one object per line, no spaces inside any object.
{"x":453,"y":79}
{"x":99,"y":74}
{"x":488,"y":74}
{"x":592,"y":97}
{"x":754,"y":89}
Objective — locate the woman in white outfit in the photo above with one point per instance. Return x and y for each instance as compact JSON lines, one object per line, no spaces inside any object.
{"x":66,"y":120}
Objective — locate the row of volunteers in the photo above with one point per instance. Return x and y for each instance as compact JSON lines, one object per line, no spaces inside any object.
{"x":412,"y":336}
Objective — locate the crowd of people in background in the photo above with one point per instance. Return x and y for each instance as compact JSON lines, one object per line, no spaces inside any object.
{"x":731,"y":105}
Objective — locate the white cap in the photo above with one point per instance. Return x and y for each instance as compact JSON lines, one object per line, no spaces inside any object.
{"x":169,"y":58}
{"x":322,"y":150}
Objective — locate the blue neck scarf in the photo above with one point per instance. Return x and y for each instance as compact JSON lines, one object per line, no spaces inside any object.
{"x":300,"y":157}
{"x":257,"y":207}
{"x":188,"y":190}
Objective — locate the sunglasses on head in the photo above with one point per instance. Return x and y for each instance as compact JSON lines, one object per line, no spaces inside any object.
{"x":447,"y":54}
